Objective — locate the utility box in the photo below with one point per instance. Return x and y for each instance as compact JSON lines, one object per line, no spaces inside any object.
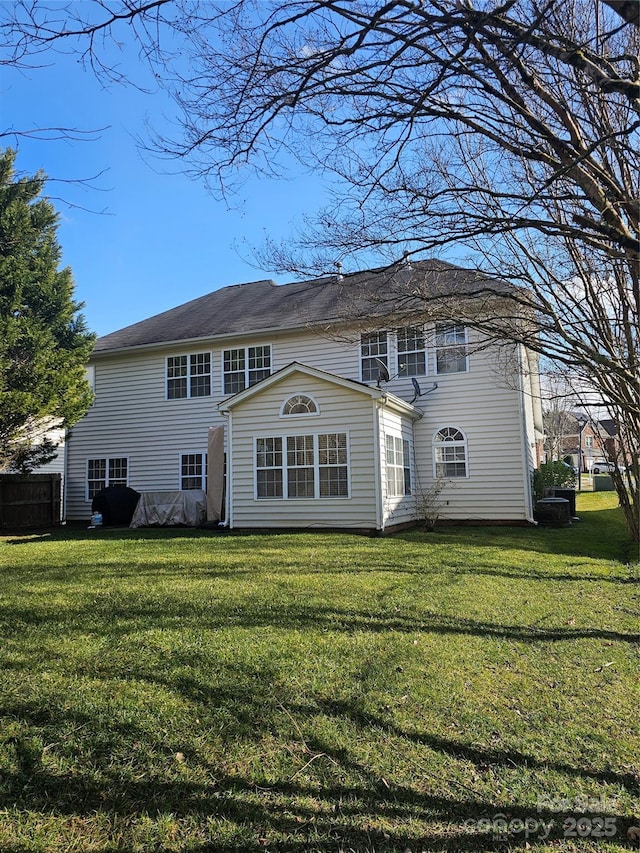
{"x":602,"y":483}
{"x":568,"y":495}
{"x":553,"y":512}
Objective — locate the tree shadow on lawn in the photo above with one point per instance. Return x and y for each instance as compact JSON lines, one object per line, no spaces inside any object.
{"x":337,"y":801}
{"x":109,"y":618}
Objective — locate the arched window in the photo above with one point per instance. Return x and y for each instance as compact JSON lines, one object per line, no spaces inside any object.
{"x":299,"y":404}
{"x":449,"y":453}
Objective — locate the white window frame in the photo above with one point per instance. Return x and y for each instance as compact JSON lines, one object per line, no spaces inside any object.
{"x":318,"y":466}
{"x":298,"y":396}
{"x":441,"y":345}
{"x":109,"y":479}
{"x":397,"y":463}
{"x":447,"y":444}
{"x":384,"y":357}
{"x":247,"y":372}
{"x":407,"y":331}
{"x":279,"y":468}
{"x":304,"y":450}
{"x":190,"y":375}
{"x":203,"y":473}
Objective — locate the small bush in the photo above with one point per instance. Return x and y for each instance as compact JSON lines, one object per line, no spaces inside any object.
{"x":551,"y":474}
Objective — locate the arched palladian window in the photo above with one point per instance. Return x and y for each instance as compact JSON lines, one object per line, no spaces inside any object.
{"x":299,"y":404}
{"x":449,"y":453}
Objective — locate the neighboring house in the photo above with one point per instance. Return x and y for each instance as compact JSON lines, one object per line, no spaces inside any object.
{"x":596,"y":441}
{"x":314,"y":436}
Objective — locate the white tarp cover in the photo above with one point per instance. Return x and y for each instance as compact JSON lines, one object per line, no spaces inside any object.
{"x":215,"y":473}
{"x":159,"y":509}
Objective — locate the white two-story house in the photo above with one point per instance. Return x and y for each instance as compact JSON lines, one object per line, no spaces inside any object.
{"x":337,"y":410}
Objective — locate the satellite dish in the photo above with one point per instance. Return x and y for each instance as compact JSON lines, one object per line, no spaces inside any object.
{"x":418,"y":392}
{"x":383,"y":372}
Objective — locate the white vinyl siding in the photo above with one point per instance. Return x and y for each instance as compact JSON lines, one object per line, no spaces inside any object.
{"x":486,"y":407}
{"x":397,"y":468}
{"x":344,"y":413}
{"x":131,"y":417}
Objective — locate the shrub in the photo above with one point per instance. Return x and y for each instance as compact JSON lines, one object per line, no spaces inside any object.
{"x":551,"y":474}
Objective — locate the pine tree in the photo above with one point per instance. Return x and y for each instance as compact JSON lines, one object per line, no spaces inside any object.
{"x":44,"y":342}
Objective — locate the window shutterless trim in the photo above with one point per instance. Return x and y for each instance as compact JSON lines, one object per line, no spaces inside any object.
{"x":203,"y":463}
{"x":450,"y":444}
{"x":322,"y":471}
{"x":245,"y":372}
{"x":190,"y":377}
{"x":301,"y":397}
{"x":108,"y":478}
{"x":414,"y":335}
{"x":457,"y":345}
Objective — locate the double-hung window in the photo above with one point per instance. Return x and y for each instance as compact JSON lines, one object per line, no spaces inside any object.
{"x":245,"y":366}
{"x":333,"y":468}
{"x":105,"y":472}
{"x":269,"y":467}
{"x":189,"y":375}
{"x":451,"y":348}
{"x":302,"y":466}
{"x":450,"y":453}
{"x":374,"y":348}
{"x":193,"y":471}
{"x":411,"y":354}
{"x":398,"y":466}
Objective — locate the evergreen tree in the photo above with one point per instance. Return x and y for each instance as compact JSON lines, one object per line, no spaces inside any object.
{"x":44,"y":342}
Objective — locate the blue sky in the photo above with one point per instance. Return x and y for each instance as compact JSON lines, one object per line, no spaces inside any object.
{"x":162,"y":238}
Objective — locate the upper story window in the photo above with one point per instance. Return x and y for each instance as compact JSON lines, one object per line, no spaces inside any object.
{"x":451,"y":348}
{"x":245,"y":366}
{"x":449,"y":453}
{"x":300,"y":404}
{"x":412,"y":358}
{"x":105,"y":472}
{"x":405,"y":352}
{"x":189,"y":375}
{"x":373,"y":347}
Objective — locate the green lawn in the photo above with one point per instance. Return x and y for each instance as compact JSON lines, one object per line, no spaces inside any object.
{"x":178,"y":691}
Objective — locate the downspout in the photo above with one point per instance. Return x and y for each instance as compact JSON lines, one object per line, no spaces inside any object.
{"x":377,"y":463}
{"x":228,"y":509}
{"x":65,"y":475}
{"x":526,"y":476}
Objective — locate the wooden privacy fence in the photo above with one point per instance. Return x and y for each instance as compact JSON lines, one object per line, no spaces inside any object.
{"x":29,"y":500}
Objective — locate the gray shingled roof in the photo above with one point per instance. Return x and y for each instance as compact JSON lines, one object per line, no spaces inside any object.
{"x":265,"y":305}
